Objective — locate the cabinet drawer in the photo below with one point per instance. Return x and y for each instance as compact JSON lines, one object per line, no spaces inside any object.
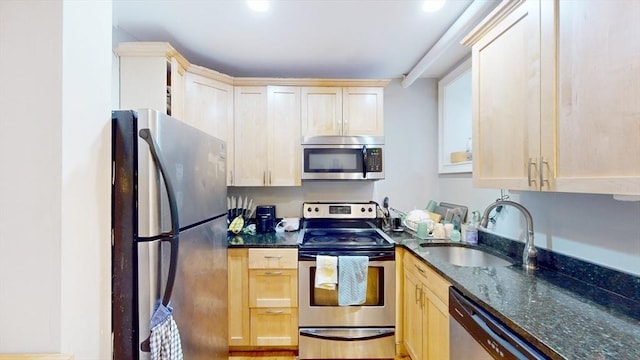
{"x":273,"y":288}
{"x":273,"y":258}
{"x":274,"y":327}
{"x":434,"y":282}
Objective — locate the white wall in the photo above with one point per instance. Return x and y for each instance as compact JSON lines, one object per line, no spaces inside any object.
{"x":86,"y":180}
{"x":411,"y":136}
{"x":31,"y":158}
{"x":591,"y":227}
{"x":54,"y":151}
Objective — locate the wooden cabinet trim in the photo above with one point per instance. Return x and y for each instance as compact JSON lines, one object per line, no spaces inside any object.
{"x":151,"y":49}
{"x":490,"y":21}
{"x":211,"y":74}
{"x":311,"y":82}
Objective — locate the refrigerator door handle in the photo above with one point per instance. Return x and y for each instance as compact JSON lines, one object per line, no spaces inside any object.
{"x":173,"y":235}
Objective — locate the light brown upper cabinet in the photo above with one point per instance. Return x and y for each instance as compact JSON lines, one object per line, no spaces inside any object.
{"x":209,"y":107}
{"x":267,"y":136}
{"x":555,"y":97}
{"x":152,"y":76}
{"x":342,"y":111}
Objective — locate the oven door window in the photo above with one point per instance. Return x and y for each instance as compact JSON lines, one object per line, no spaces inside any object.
{"x":333,"y":160}
{"x":324,"y":297}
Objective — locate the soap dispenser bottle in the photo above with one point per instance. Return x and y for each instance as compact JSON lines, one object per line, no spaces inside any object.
{"x":471,"y":231}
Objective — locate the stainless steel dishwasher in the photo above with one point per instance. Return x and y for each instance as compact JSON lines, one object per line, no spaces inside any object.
{"x":476,"y":335}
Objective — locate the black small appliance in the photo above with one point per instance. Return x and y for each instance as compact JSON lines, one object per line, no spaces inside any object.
{"x":265,"y":218}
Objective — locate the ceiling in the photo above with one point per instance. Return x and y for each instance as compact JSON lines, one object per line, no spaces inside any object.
{"x":372,"y":39}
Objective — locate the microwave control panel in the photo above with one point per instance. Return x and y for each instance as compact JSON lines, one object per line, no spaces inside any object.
{"x":374,"y":160}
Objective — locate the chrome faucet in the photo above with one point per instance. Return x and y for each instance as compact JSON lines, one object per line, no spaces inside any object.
{"x":530,"y":254}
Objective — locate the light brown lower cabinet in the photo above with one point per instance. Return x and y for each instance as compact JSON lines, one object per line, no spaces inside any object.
{"x":425,"y":311}
{"x":263,"y":298}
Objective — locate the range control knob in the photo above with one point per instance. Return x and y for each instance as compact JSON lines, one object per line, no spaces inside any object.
{"x":309,"y":209}
{"x":363,"y":210}
{"x":317,"y":209}
{"x":370,"y":209}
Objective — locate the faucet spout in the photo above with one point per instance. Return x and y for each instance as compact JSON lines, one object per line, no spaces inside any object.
{"x":530,"y":253}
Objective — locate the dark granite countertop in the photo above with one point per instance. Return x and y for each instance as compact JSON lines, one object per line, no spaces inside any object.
{"x":275,"y":240}
{"x":546,"y":308}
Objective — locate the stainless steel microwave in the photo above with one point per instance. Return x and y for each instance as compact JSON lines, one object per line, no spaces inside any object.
{"x":343,"y":158}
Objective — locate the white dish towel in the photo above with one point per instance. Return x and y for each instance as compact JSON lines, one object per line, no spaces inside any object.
{"x":326,"y":272}
{"x":352,"y":280}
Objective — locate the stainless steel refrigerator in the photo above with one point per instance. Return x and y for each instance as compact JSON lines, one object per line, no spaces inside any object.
{"x":168,"y":234}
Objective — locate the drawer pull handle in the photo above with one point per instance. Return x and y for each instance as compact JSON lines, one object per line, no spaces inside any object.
{"x":275,"y":312}
{"x":273,"y":272}
{"x":419,"y":268}
{"x":272,"y":257}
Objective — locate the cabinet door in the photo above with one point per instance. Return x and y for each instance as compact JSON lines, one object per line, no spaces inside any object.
{"x":284,"y":147}
{"x":506,"y":88}
{"x":363,"y":111}
{"x":209,"y":107}
{"x":321,"y":111}
{"x":238,"y":306}
{"x":437,"y":339}
{"x":598,"y":92}
{"x":143,"y":83}
{"x":413,"y":315}
{"x":250,"y":136}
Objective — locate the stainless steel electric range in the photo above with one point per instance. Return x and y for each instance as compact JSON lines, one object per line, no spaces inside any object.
{"x":327,"y":329}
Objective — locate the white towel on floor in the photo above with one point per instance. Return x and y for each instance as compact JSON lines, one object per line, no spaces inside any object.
{"x":352,"y":280}
{"x":326,"y":272}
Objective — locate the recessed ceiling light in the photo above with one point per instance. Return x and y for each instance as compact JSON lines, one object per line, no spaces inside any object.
{"x":432,"y":5}
{"x":258,"y":5}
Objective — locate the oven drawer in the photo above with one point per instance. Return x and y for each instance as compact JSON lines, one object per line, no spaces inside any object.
{"x":273,"y":258}
{"x":347,"y":343}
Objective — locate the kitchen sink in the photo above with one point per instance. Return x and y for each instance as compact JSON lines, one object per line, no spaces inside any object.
{"x":466,"y":256}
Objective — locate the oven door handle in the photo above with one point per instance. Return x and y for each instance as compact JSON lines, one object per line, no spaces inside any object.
{"x":381,"y":256}
{"x":357,"y":334}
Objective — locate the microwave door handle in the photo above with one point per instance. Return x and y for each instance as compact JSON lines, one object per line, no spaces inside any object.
{"x":364,"y":161}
